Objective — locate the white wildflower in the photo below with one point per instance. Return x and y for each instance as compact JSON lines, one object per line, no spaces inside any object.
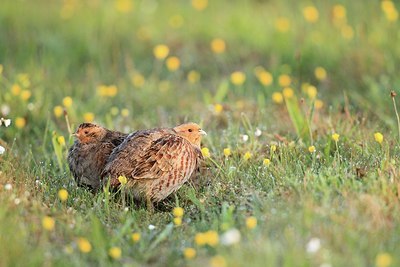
{"x":230,"y":237}
{"x":151,"y":227}
{"x":313,"y":245}
{"x":17,"y":201}
{"x":2,"y":150}
{"x":8,"y":187}
{"x":5,"y":109}
{"x":258,"y":132}
{"x":6,"y":122}
{"x":245,"y":137}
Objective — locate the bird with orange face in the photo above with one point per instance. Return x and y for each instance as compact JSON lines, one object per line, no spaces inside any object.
{"x":90,"y":151}
{"x":156,"y":162}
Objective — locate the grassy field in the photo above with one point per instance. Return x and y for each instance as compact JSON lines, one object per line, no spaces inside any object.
{"x":302,"y":153}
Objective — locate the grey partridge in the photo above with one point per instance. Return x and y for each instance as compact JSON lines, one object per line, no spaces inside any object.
{"x":90,"y":151}
{"x":156,"y":162}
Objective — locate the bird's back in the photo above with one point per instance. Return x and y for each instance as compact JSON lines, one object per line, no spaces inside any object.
{"x":156,"y":162}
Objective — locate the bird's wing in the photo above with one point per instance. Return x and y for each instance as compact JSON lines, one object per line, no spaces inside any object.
{"x":131,"y":152}
{"x":162,"y":156}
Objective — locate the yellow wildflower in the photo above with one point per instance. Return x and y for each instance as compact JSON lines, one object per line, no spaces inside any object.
{"x":218,"y":261}
{"x":318,"y":104}
{"x":320,"y":73}
{"x":84,"y":245}
{"x":160,"y":51}
{"x":218,"y":45}
{"x":227,"y":152}
{"x":88,"y":117}
{"x":265,"y":78}
{"x":63,"y":194}
{"x":58,"y":111}
{"x":212,"y":238}
{"x":137,"y":79}
{"x":335,"y":137}
{"x":178,"y":212}
{"x":67,"y":101}
{"x":277,"y":97}
{"x":282,"y":24}
{"x":387,"y":5}
{"x":339,"y":15}
{"x":238,"y":78}
{"x":288,"y":92}
{"x":20,"y":122}
{"x":124,"y":6}
{"x":135,"y":237}
{"x":273,"y":148}
{"x":61,"y":140}
{"x":251,"y":222}
{"x":15,"y":89}
{"x":178,"y":221}
{"x":312,"y":91}
{"x":311,"y":149}
{"x":218,"y":108}
{"x":189,"y":253}
{"x":193,"y":76}
{"x":206,"y":152}
{"x":102,"y":90}
{"x":200,"y":239}
{"x":48,"y":223}
{"x":247,"y":156}
{"x":107,"y":91}
{"x":311,"y":14}
{"x":284,"y":80}
{"x":125,"y":112}
{"x":383,"y":259}
{"x":112,"y":90}
{"x":378,"y":137}
{"x":173,"y":63}
{"x":25,"y":94}
{"x":390,"y":10}
{"x":122,"y":179}
{"x":339,"y":12}
{"x":115,"y":252}
{"x":199,"y":4}
{"x":266,"y":162}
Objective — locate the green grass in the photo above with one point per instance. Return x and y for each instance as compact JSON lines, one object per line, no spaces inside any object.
{"x":345,"y":195}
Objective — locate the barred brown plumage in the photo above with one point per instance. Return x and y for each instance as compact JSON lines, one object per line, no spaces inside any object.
{"x":156,"y":162}
{"x":90,"y":151}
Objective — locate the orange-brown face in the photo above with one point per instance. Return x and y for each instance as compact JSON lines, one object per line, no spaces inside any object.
{"x":89,"y":132}
{"x":191,"y":131}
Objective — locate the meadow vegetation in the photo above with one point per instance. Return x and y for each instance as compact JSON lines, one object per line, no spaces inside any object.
{"x":302,"y":153}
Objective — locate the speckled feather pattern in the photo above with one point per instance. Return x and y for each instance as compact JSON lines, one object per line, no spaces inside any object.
{"x":87,"y":161}
{"x":156,"y":163}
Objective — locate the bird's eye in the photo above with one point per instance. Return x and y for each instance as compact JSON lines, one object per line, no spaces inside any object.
{"x":190,"y":130}
{"x":86,"y":132}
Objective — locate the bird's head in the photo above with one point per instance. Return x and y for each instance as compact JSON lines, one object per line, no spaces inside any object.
{"x":89,"y":132}
{"x":190,"y":131}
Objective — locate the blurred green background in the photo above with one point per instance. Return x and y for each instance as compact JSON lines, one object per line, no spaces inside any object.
{"x":70,"y":48}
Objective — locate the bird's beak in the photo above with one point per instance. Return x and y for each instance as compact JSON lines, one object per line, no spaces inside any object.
{"x":202,"y":132}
